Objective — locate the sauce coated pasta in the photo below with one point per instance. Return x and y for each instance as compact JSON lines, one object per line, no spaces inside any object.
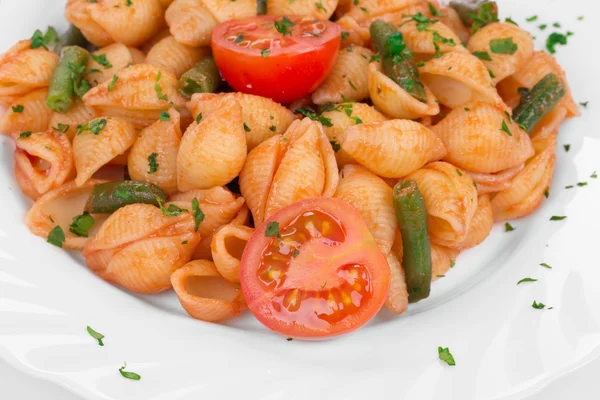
{"x":308,"y":161}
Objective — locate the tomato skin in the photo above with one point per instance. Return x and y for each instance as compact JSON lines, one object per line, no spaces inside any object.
{"x":284,"y":75}
{"x":359,"y":248}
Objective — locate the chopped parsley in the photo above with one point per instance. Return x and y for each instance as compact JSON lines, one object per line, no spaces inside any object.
{"x":569,"y":187}
{"x":102,"y":60}
{"x":557,"y":218}
{"x":198,"y":214}
{"x":433,"y":10}
{"x":158,"y":89}
{"x":580,"y":184}
{"x":246,"y":127}
{"x":95,"y":126}
{"x":172,"y":210}
{"x":504,"y":128}
{"x":508,"y":227}
{"x":538,"y":306}
{"x":335,"y":145}
{"x":165,"y":116}
{"x":352,"y":85}
{"x":445,"y":355}
{"x":184,"y":242}
{"x":272,"y":229}
{"x":422,"y":21}
{"x":492,"y":75}
{"x":283,"y":26}
{"x":82,"y":224}
{"x":320,"y":6}
{"x":567,"y":147}
{"x":452,"y":263}
{"x":532,"y":18}
{"x":112,"y":83}
{"x":510,"y":21}
{"x":129,"y":375}
{"x":593,"y":175}
{"x":583,"y":104}
{"x":526,"y":280}
{"x":56,"y":236}
{"x":239,"y":38}
{"x":295,"y":253}
{"x":580,"y":18}
{"x":272,"y":128}
{"x":542,"y":27}
{"x":458,"y":172}
{"x":199,"y":118}
{"x":264,"y":52}
{"x":96,"y":335}
{"x":545,"y":265}
{"x":18,"y":108}
{"x":547,"y":192}
{"x":307,"y":112}
{"x":554,"y":40}
{"x":152,"y":164}
{"x":486,"y":14}
{"x":62,"y":127}
{"x":345,"y":35}
{"x":24,"y":135}
{"x":503,"y":46}
{"x":44,"y":40}
{"x":482,"y":55}
{"x":556,"y":25}
{"x":323,"y":285}
{"x":128,"y":3}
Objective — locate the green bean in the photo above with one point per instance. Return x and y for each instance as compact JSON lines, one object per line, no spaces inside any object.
{"x":73,"y":37}
{"x":203,"y":78}
{"x":539,"y":101}
{"x":397,"y":59}
{"x":475,"y":13}
{"x":107,"y":198}
{"x":66,"y":78}
{"x":412,"y":220}
{"x":261,"y":7}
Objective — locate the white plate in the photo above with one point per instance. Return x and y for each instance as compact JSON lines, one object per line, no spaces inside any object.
{"x":504,"y":348}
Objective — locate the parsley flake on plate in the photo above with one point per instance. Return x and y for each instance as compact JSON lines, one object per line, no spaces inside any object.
{"x":445,"y":355}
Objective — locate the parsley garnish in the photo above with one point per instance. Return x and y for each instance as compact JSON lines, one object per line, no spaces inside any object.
{"x":482,"y":55}
{"x":584,"y":104}
{"x":323,"y":285}
{"x":532,"y":18}
{"x":172,"y":210}
{"x":508,"y":227}
{"x":580,"y":184}
{"x":198,"y":214}
{"x":486,"y":14}
{"x":199,"y":118}
{"x":567,"y":147}
{"x":306,"y":112}
{"x":283,"y":26}
{"x":101,"y":59}
{"x":580,"y":18}
{"x":62,"y":127}
{"x":433,"y":10}
{"x":542,"y":27}
{"x":152,"y":164}
{"x":246,"y":127}
{"x":545,"y":265}
{"x":95,"y":126}
{"x":164,"y":116}
{"x":184,"y":242}
{"x":82,"y":224}
{"x":510,"y":21}
{"x":504,"y":128}
{"x":345,"y":35}
{"x":45,"y":40}
{"x":56,"y":236}
{"x":546,"y":192}
{"x":158,"y":89}
{"x":112,"y":83}
{"x":239,"y":38}
{"x":128,"y":3}
{"x":593,"y":175}
{"x":18,"y":108}
{"x":295,"y":253}
{"x":556,"y":25}
{"x":96,"y":335}
{"x":335,"y":145}
{"x":129,"y":375}
{"x":526,"y":280}
{"x":452,"y":263}
{"x":554,"y":40}
{"x":557,"y":218}
{"x":264,"y":52}
{"x":319,"y":5}
{"x":24,"y":135}
{"x":272,"y":229}
{"x":445,"y":355}
{"x":538,"y":306}
{"x":503,"y":46}
{"x":569,"y":187}
{"x":492,"y":75}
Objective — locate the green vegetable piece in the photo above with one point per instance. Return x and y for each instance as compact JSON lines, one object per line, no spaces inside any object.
{"x":412,"y":218}
{"x":261,"y":7}
{"x":56,"y":236}
{"x":129,"y":375}
{"x":539,"y":101}
{"x":67,"y":79}
{"x":476,"y":14}
{"x":96,"y":335}
{"x":397,"y":59}
{"x":107,"y":198}
{"x":203,"y":78}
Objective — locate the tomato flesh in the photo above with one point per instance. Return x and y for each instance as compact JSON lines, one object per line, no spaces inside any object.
{"x":322,"y":275}
{"x":284,"y":58}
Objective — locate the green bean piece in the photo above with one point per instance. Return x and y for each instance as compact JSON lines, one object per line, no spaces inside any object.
{"x":476,"y":13}
{"x":412,"y":218}
{"x":203,"y":78}
{"x":261,"y":7}
{"x":72,"y":37}
{"x":107,"y":198}
{"x":66,"y":78}
{"x":397,"y":59}
{"x":539,"y":101}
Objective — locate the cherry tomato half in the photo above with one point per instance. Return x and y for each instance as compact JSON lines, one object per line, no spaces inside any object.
{"x":313,"y":270}
{"x":284,"y":58}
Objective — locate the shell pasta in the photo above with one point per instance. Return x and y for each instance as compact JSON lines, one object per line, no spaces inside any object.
{"x":308,"y":162}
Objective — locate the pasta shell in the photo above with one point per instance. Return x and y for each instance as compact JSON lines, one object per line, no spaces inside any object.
{"x":138,"y":247}
{"x":136,"y":94}
{"x":166,"y":3}
{"x":169,"y":55}
{"x":33,"y":117}
{"x":227,"y":246}
{"x":77,"y":115}
{"x":212,"y":152}
{"x":77,"y":13}
{"x":397,"y":299}
{"x":58,"y":207}
{"x":322,"y":9}
{"x":396,"y":102}
{"x":348,"y":78}
{"x":481,"y":224}
{"x":92,"y":151}
{"x":372,"y":197}
{"x":450,"y":199}
{"x":149,"y":44}
{"x":226,"y":10}
{"x":477,"y":141}
{"x":160,"y":139}
{"x":118,"y":56}
{"x":422,"y":42}
{"x":393,"y":149}
{"x":43,"y":161}
{"x":131,"y":25}
{"x":366,"y":9}
{"x":458,"y":78}
{"x":442,"y":259}
{"x":23,"y":69}
{"x":489,"y":183}
{"x":452,"y":20}
{"x":262,"y":116}
{"x":204,"y":294}
{"x":340,"y":120}
{"x":502,"y":65}
{"x":527,"y":190}
{"x":355,"y":33}
{"x":190,"y":22}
